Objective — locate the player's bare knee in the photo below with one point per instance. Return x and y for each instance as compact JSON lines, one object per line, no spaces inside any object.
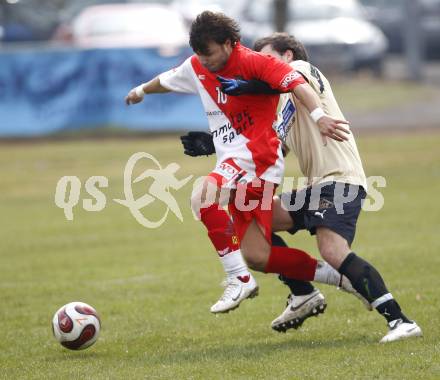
{"x":255,"y":248}
{"x":256,"y":256}
{"x":281,"y":219}
{"x":328,"y":253}
{"x":332,"y":247}
{"x":255,"y":262}
{"x":334,"y":252}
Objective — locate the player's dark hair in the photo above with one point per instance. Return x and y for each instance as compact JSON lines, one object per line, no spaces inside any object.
{"x":281,"y":42}
{"x":212,"y":26}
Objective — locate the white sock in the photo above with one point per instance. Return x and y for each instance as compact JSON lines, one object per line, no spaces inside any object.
{"x":326,"y":274}
{"x":234,"y":264}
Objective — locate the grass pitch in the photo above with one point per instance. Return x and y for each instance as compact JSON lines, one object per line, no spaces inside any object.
{"x":153,"y":287}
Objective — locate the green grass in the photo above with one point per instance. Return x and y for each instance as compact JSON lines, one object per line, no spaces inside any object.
{"x":363,"y":95}
{"x":153,"y":288}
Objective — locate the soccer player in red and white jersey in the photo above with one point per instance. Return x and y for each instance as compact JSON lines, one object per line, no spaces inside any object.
{"x":249,"y":156}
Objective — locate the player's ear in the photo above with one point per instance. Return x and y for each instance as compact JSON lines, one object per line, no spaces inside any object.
{"x":289,"y":55}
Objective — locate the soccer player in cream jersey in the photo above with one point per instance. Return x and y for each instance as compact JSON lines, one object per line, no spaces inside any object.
{"x":332,"y":198}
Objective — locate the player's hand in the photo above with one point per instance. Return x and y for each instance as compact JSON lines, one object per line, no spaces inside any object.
{"x":133,"y":97}
{"x":198,"y":144}
{"x":231,"y":86}
{"x":330,"y":127}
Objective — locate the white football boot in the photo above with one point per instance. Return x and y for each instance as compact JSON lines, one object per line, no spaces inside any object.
{"x":346,"y":286}
{"x":401,"y":330}
{"x":237,"y":289}
{"x":298,"y":309}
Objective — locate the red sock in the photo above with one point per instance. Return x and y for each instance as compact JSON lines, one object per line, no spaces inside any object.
{"x":292,"y":263}
{"x":220,"y":229}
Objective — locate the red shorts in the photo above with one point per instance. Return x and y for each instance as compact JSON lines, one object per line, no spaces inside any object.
{"x":252,"y":198}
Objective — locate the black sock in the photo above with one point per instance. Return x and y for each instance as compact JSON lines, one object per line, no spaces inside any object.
{"x":297,"y":287}
{"x":369,"y":283}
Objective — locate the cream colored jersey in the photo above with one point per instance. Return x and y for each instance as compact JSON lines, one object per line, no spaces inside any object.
{"x":337,"y":161}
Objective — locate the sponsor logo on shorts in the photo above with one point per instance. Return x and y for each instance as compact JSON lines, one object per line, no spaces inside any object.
{"x":325,"y":203}
{"x":226,"y":170}
{"x":320,"y":214}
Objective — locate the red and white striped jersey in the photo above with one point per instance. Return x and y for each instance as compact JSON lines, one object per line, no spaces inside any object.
{"x":241,"y":125}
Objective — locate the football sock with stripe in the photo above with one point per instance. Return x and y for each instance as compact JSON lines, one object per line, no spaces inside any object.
{"x":234,"y":264}
{"x":369,"y":283}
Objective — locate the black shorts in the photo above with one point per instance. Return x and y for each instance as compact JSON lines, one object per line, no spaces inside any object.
{"x":334,"y":205}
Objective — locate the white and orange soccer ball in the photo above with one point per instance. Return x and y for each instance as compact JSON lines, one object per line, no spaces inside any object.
{"x":76,"y":325}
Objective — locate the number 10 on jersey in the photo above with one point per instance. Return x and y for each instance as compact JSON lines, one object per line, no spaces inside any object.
{"x":221,"y":97}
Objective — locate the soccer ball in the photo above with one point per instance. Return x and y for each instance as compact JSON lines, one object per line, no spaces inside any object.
{"x":76,"y":325}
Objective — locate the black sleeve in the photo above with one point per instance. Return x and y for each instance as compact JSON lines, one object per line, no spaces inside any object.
{"x":255,"y":86}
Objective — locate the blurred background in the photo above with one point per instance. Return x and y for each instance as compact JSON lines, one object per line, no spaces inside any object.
{"x":67,"y":65}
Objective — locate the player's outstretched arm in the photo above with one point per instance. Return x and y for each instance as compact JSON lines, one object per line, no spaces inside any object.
{"x":136,"y":95}
{"x":234,"y":87}
{"x":328,"y":126}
